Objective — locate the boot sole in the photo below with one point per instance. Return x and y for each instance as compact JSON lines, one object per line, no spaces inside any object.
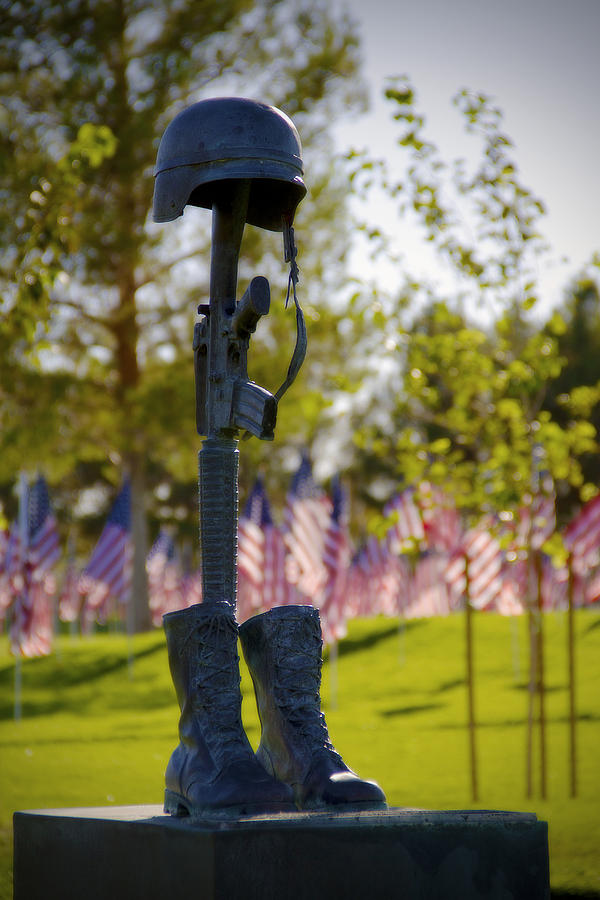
{"x":177,"y":805}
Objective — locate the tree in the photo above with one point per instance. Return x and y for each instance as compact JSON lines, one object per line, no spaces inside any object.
{"x":577,"y":383}
{"x":114,"y":294}
{"x":467,"y":405}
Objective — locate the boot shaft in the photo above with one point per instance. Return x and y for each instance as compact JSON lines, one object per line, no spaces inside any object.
{"x":200,"y":639}
{"x":204,"y":664}
{"x":283,"y":650}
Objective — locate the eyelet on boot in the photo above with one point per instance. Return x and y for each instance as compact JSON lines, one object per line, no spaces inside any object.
{"x":283,"y":650}
{"x":213,"y":771}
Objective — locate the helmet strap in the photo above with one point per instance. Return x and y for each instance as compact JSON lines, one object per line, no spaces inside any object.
{"x":290,"y":252}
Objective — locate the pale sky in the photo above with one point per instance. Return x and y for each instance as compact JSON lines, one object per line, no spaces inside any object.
{"x":539,"y":59}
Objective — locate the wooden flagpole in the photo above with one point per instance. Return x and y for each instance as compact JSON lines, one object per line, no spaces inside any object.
{"x":470,"y":683}
{"x":571,"y":667}
{"x":541,"y":690}
{"x":530,"y":691}
{"x":23,"y":540}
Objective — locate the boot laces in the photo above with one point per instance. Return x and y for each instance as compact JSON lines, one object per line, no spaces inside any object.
{"x":298,"y":682}
{"x":215,"y":686}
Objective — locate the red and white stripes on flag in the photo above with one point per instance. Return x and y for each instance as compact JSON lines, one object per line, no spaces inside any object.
{"x":44,"y":547}
{"x":537,"y":515}
{"x":306,"y":519}
{"x":251,"y":554}
{"x":31,"y":630}
{"x":35,"y":550}
{"x":5,"y":592}
{"x":107,"y":575}
{"x":407,"y":532}
{"x":69,"y":601}
{"x":441,"y":520}
{"x":262,"y":552}
{"x":429,"y":594}
{"x":481,"y":552}
{"x":12,"y":578}
{"x":277,"y":590}
{"x":337,"y":557}
{"x":582,"y":536}
{"x":165,"y":592}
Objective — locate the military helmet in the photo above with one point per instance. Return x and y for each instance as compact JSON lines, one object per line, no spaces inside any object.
{"x":228,"y":138}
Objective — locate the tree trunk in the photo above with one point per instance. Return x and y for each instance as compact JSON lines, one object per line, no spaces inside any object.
{"x":126,"y":333}
{"x":139,"y":611}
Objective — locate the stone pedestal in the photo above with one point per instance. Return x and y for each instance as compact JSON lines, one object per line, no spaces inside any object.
{"x":138,"y":853}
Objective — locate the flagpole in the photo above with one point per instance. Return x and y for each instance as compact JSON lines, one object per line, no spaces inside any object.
{"x":130,"y":627}
{"x":540,"y":671}
{"x":23,"y":535}
{"x":571,"y":665}
{"x":402,"y":604}
{"x":516,"y":652}
{"x":531,"y":686}
{"x":470,"y":684}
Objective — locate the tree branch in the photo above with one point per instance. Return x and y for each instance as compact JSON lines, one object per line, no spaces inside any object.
{"x":166,"y":267}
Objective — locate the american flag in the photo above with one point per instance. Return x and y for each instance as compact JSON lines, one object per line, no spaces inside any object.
{"x":11,"y":565}
{"x":306,"y":520}
{"x":481,"y":550}
{"x":537,"y":516}
{"x":592,"y":588}
{"x":33,"y":555}
{"x":108,"y":573}
{"x":407,"y":532}
{"x":262,"y":554}
{"x":429,"y":593}
{"x":554,"y":586}
{"x":251,"y":552}
{"x":441,"y":520}
{"x":191,"y":587}
{"x":165,"y":588}
{"x":337,"y":556}
{"x":357,"y":583}
{"x":44,"y":546}
{"x":4,"y":536}
{"x":69,"y":601}
{"x":582,"y":536}
{"x":387,"y":575}
{"x":35,"y":548}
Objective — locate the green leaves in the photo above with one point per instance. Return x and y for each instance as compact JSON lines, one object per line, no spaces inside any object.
{"x":94,"y":144}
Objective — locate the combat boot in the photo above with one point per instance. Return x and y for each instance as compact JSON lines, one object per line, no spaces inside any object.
{"x":283,"y":648}
{"x":213,"y":770}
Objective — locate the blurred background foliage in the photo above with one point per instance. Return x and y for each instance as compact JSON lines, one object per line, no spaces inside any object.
{"x":460,"y":383}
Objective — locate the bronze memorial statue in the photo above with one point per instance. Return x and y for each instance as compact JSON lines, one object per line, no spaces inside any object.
{"x":242,"y":159}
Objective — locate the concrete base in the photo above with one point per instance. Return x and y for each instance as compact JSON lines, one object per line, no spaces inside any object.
{"x":138,"y":853}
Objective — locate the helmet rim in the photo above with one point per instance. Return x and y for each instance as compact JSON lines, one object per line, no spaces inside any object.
{"x":256,"y":142}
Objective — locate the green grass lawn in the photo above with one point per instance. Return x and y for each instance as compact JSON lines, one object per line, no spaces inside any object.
{"x":96,"y":731}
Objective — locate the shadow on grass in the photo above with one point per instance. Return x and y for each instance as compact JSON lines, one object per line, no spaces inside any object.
{"x":354,"y":644}
{"x":74,"y":682}
{"x":409,"y":710}
{"x":592,"y":627}
{"x":450,"y":685}
{"x":75,"y":667}
{"x":548,"y":688}
{"x":516,"y":723}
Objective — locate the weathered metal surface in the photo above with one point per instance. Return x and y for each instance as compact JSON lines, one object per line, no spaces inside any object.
{"x":230,"y":138}
{"x":283,"y":650}
{"x":213,"y":769}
